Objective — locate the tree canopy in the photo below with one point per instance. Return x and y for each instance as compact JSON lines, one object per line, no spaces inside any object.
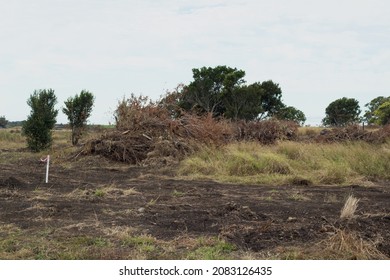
{"x":291,"y":113}
{"x":222,"y":91}
{"x":370,"y":116}
{"x":205,"y":93}
{"x":271,"y":99}
{"x":382,"y":114}
{"x":342,"y":112}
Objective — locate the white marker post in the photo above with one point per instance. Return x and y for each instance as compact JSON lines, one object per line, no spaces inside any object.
{"x":47,"y":160}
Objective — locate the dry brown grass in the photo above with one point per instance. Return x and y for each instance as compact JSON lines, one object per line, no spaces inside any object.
{"x":349,"y":245}
{"x":11,"y":139}
{"x":349,"y":208}
{"x":341,"y":244}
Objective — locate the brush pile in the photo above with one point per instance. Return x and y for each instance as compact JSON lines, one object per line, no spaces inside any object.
{"x":147,"y":133}
{"x":354,"y":133}
{"x":267,"y":131}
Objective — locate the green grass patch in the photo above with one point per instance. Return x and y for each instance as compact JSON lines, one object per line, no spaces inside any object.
{"x":211,"y":249}
{"x":100,"y":193}
{"x":138,"y":240}
{"x":176,"y":193}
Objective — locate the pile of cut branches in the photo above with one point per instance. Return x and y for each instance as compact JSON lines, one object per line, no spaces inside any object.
{"x":146,"y":134}
{"x":120,"y":146}
{"x":267,"y":131}
{"x":354,"y":133}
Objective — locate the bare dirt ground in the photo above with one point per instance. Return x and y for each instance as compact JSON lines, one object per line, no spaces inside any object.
{"x":153,"y":201}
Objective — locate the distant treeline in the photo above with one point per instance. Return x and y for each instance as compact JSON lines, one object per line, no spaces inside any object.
{"x":11,"y":124}
{"x":14,"y":123}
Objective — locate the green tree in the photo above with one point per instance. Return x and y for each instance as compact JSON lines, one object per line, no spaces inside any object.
{"x":382,"y":114}
{"x":342,"y":112}
{"x":243,"y":102}
{"x":271,"y":101}
{"x":204,"y":94}
{"x":41,"y":120}
{"x":291,"y":113}
{"x":78,"y":109}
{"x":369,"y":115}
{"x":254,"y":101}
{"x":3,"y":121}
{"x":222,"y":91}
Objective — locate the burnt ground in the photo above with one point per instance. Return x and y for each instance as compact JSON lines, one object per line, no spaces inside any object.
{"x":155,"y":202}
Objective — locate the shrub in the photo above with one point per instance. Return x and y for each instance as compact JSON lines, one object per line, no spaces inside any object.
{"x":41,"y":120}
{"x":78,"y":109}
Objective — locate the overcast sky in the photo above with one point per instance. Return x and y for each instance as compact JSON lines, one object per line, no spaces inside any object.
{"x":317,"y":51}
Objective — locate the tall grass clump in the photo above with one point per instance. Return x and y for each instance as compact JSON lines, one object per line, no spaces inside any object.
{"x":250,"y":164}
{"x":371,"y":161}
{"x":11,"y":138}
{"x":203,"y":164}
{"x":349,"y":208}
{"x":291,"y":163}
{"x":247,"y":162}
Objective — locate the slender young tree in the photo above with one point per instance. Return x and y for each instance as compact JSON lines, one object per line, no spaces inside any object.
{"x":41,"y":120}
{"x":78,"y":109}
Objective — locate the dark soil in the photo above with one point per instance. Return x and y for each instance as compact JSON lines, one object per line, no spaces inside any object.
{"x":255,"y":218}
